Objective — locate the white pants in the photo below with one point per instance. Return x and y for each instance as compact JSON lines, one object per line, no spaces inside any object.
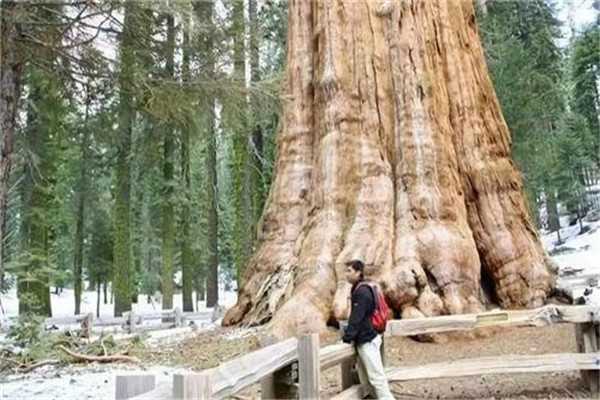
{"x":370,"y":368}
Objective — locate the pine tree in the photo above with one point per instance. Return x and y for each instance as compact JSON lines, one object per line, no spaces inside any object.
{"x":187,"y":267}
{"x":44,"y":130}
{"x":81,"y":203}
{"x":257,"y":154}
{"x":11,"y":71}
{"x":572,"y":160}
{"x":122,"y":232}
{"x":168,"y":206}
{"x":586,"y":75}
{"x":242,"y":161}
{"x":206,"y":55}
{"x":526,"y":66}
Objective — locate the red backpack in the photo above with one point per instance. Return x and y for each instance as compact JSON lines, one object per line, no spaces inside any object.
{"x":382,"y":310}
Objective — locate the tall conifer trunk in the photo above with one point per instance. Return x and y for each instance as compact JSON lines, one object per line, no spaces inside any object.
{"x":11,"y":71}
{"x":393,"y":149}
{"x":204,"y":11}
{"x":168,"y":206}
{"x":187,"y":268}
{"x":122,"y":266}
{"x":80,"y":216}
{"x":257,"y":140}
{"x":42,"y":134}
{"x":242,"y":161}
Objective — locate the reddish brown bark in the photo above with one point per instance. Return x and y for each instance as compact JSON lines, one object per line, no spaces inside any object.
{"x":394,"y":150}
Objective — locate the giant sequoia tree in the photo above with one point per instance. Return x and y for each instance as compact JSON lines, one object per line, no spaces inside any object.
{"x":392,"y":149}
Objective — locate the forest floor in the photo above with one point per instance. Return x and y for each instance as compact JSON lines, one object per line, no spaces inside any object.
{"x":578,"y":258}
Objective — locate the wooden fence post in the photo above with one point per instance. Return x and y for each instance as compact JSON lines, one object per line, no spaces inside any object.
{"x":130,"y":321}
{"x":347,"y":367}
{"x":130,"y":385}
{"x":588,"y":341}
{"x":86,"y":325}
{"x":178,"y":317}
{"x":280,"y":384}
{"x":309,"y":366}
{"x":349,"y":373}
{"x":192,"y":386}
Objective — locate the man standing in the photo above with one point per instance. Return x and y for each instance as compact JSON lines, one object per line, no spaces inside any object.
{"x":360,"y":331}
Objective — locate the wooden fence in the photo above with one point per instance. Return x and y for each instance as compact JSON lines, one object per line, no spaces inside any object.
{"x":292,"y":368}
{"x":131,"y":322}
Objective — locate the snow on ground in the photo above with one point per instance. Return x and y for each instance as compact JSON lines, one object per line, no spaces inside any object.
{"x":578,"y":259}
{"x":74,"y":382}
{"x":63,"y":304}
{"x":95,"y":381}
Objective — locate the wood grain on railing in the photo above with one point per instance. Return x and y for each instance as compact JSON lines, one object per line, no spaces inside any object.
{"x":547,"y":315}
{"x":498,"y":365}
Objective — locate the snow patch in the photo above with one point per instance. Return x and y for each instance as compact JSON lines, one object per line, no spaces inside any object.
{"x":63,"y":304}
{"x":74,"y":382}
{"x":578,"y":260}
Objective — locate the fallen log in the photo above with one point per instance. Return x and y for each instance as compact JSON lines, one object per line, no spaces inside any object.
{"x":102,"y":359}
{"x":24,"y":368}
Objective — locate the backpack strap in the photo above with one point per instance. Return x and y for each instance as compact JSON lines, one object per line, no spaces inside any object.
{"x":373,"y":291}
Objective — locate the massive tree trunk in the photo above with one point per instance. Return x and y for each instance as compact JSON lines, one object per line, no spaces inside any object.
{"x":393,"y":149}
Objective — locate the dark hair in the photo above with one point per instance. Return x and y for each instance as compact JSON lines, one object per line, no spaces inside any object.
{"x":358,"y":266}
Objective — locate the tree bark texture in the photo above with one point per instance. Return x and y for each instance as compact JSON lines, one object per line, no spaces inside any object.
{"x":393,"y":150}
{"x":11,"y":71}
{"x":204,"y":12}
{"x":122,"y":267}
{"x":80,"y":216}
{"x":257,"y":143}
{"x":242,"y":165}
{"x":187,"y":256}
{"x":212,"y":268}
{"x":168,"y":200}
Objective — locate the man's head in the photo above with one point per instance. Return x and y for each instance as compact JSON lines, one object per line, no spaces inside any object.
{"x":355,"y":271}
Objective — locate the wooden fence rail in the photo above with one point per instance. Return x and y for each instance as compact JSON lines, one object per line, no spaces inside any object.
{"x":132,"y":322}
{"x":547,"y":315}
{"x":107,"y":321}
{"x":498,"y":365}
{"x":292,"y":368}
